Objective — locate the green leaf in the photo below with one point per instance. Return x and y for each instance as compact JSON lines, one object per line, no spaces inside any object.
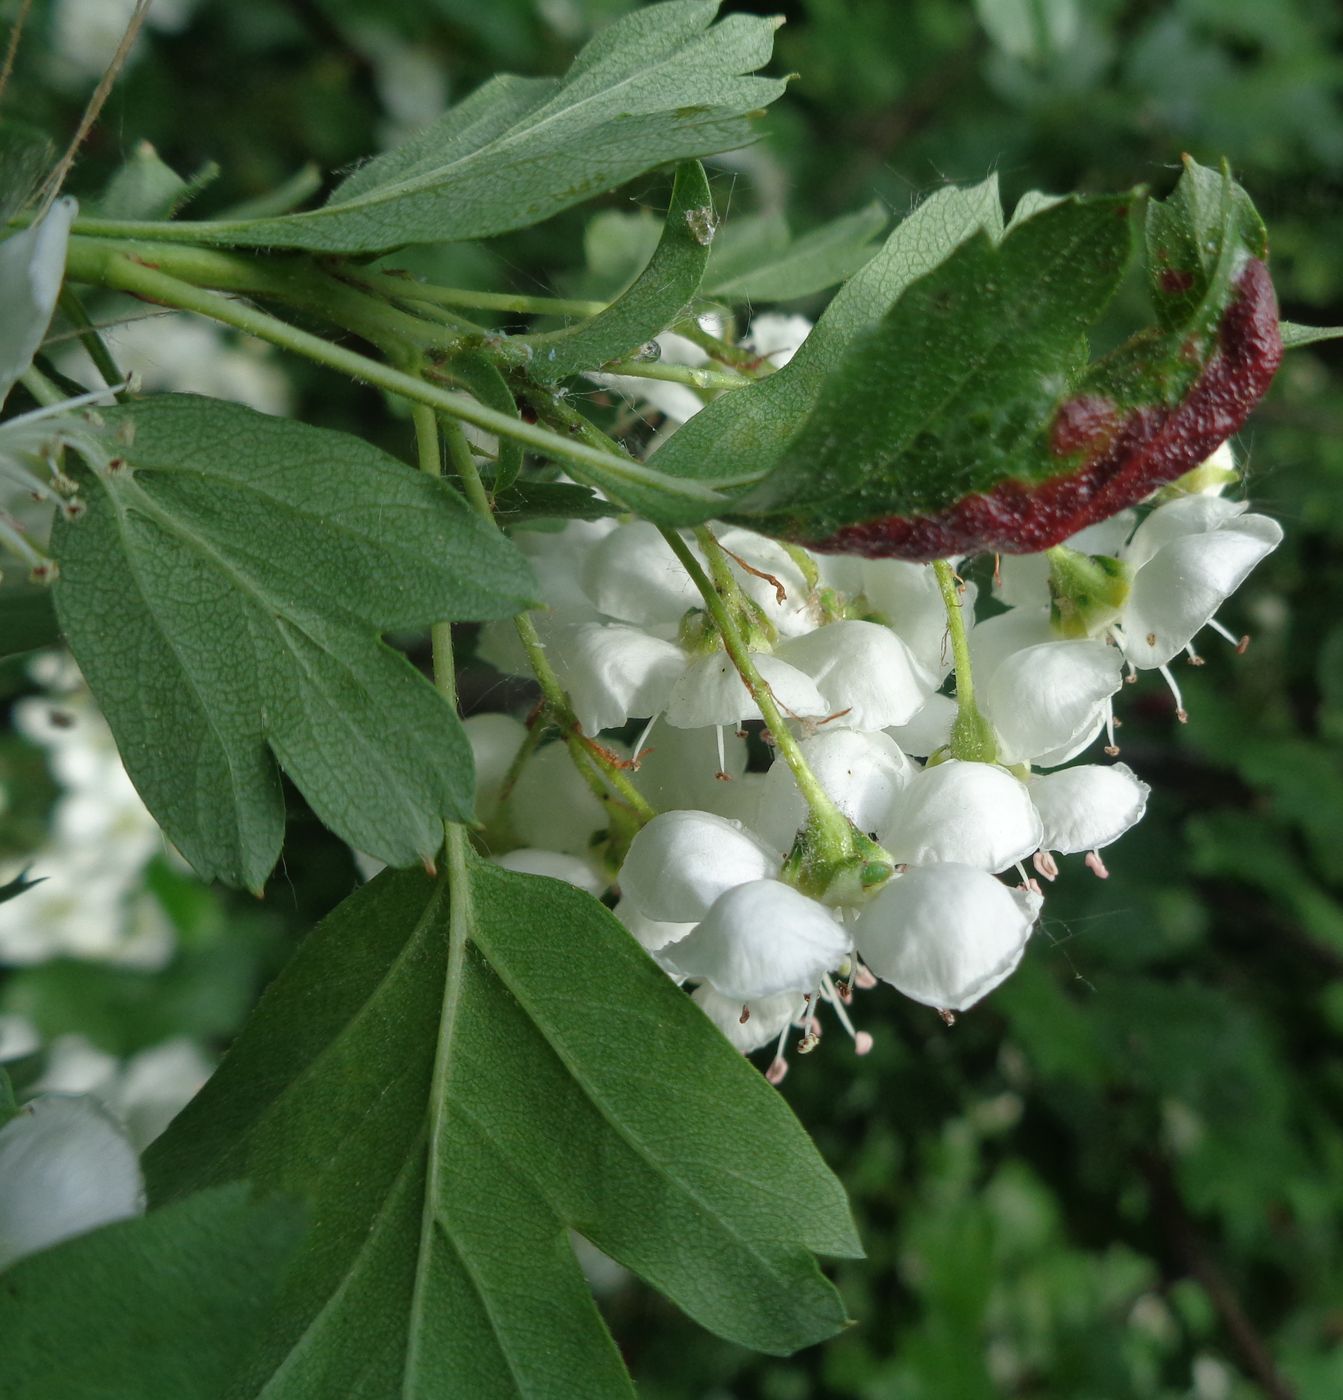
{"x":479,"y":376}
{"x":224,"y":592}
{"x":163,"y":1307}
{"x":575,"y":1088}
{"x":759,"y":265}
{"x":12,"y":889}
{"x":26,"y":154}
{"x":657,"y":297}
{"x":146,"y":187}
{"x":970,"y":418}
{"x":658,"y":85}
{"x":745,"y":432}
{"x":1294,"y":336}
{"x":27,"y":620}
{"x":528,"y":501}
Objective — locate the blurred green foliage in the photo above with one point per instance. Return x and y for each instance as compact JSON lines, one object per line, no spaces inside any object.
{"x":1123,"y":1175}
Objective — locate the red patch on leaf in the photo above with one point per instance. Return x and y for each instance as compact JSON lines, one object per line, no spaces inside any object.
{"x":1130,"y":455}
{"x":1174,"y":282}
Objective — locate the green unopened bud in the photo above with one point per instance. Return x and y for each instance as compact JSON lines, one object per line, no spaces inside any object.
{"x":1210,"y":478}
{"x":1088,"y":591}
{"x":972,"y":737}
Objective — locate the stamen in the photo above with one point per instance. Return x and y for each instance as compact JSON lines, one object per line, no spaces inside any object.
{"x":863,"y":978}
{"x":1045,"y":863}
{"x":1194,"y":658}
{"x":1240,"y":643}
{"x":1097,"y":866}
{"x":722,"y":756}
{"x":1112,"y":749}
{"x":1180,"y":712}
{"x":948,"y":1016}
{"x":639,"y":747}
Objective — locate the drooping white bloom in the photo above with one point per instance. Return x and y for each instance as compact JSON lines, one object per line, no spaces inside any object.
{"x":761,"y":939}
{"x":653,"y":935}
{"x":495,"y":741}
{"x":65,"y":1168}
{"x":776,"y":338}
{"x":612,"y":672}
{"x":680,"y":863}
{"x":32,"y":266}
{"x":929,"y":729}
{"x":1187,"y":558}
{"x":1047,"y":699}
{"x":1088,"y":806}
{"x":908,"y":598}
{"x":551,"y":806}
{"x":632,"y":575}
{"x":973,"y":814}
{"x":863,"y":774}
{"x":865,"y":673}
{"x":946,"y":935}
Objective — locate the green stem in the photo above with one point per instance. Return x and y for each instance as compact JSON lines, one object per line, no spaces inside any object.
{"x":440,"y":633}
{"x":464,"y":464}
{"x":689,"y":375}
{"x":832,"y":825}
{"x":747,"y":361}
{"x":116,"y":270}
{"x":41,"y":388}
{"x":405,"y":287}
{"x":93,"y":343}
{"x":971,"y":735}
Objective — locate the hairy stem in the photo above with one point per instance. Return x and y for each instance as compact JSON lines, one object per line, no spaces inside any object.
{"x":971,"y":735}
{"x":430,"y":455}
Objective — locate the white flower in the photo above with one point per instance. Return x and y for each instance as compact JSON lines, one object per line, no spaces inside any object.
{"x":653,"y":935}
{"x":676,"y":402}
{"x":65,"y":1168}
{"x":863,"y":774}
{"x":681,"y":862}
{"x":552,"y":807}
{"x":495,"y":741}
{"x":613,"y":672}
{"x":1087,"y":806}
{"x":968,"y":813}
{"x":865,"y":673}
{"x":632,"y":575}
{"x":32,"y":266}
{"x":1187,"y":558}
{"x":929,"y":729}
{"x":711,"y":691}
{"x":761,"y":939}
{"x":747,"y":1026}
{"x":908,"y":598}
{"x":946,"y":935}
{"x":776,"y":338}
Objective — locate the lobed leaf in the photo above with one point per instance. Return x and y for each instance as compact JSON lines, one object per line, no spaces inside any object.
{"x":656,"y":298}
{"x":157,"y":1308}
{"x":224,"y":592}
{"x":660,"y":84}
{"x":440,"y":1263}
{"x":970,"y":418}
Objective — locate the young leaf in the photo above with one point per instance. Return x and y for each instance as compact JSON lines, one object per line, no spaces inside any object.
{"x":655,"y":299}
{"x":573,"y":1088}
{"x":12,"y":889}
{"x":480,"y":377}
{"x":224,"y":591}
{"x":658,"y":85}
{"x":970,"y":418}
{"x":770,"y":267}
{"x":146,"y":187}
{"x":1294,"y":336}
{"x":161,"y":1307}
{"x":528,"y":501}
{"x":27,"y":620}
{"x":743,"y":434}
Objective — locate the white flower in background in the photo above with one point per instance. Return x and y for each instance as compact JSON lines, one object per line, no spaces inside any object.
{"x":85,"y":33}
{"x":552,"y":807}
{"x":946,"y":935}
{"x":495,"y":741}
{"x":676,"y":402}
{"x":65,"y":1168}
{"x":906,"y":597}
{"x":776,"y":338}
{"x":554,"y":865}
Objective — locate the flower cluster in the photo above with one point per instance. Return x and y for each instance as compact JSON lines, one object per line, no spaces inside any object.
{"x":905,"y":827}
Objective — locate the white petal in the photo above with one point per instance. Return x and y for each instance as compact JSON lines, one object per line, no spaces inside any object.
{"x":633,"y":575}
{"x":710,"y":691}
{"x":993,"y":641}
{"x":946,"y":935}
{"x":653,"y":934}
{"x":1186,"y":515}
{"x":554,"y":865}
{"x":552,"y":806}
{"x":1178,"y":590}
{"x":1088,"y":806}
{"x":970,"y":813}
{"x":495,"y":741}
{"x":794,"y":613}
{"x":862,"y":773}
{"x":615,"y":673}
{"x":776,"y":338}
{"x":764,"y":1018}
{"x":678,"y":402}
{"x":861,"y":668}
{"x":908,"y":598}
{"x":65,"y":1168}
{"x":929,"y":729}
{"x":32,"y":264}
{"x":681,"y":862}
{"x":1050,"y":699}
{"x":762,"y":939}
{"x":1025,"y":577}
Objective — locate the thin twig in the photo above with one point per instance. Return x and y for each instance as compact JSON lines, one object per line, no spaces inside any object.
{"x":12,"y":48}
